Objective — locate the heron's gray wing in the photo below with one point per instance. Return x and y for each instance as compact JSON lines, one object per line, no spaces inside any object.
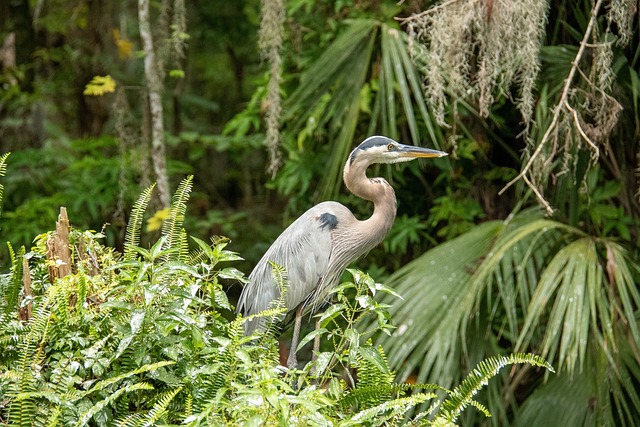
{"x":304,"y":249}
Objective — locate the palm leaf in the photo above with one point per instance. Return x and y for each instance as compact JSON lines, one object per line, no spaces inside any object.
{"x":428,"y":318}
{"x":576,"y":276}
{"x":330,"y":93}
{"x":561,"y":401}
{"x":550,"y":286}
{"x":442,"y":287}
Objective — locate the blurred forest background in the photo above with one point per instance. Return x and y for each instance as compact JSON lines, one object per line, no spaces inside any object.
{"x":523,"y":239}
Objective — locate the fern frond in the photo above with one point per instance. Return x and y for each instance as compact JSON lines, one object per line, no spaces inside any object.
{"x":132,"y":236}
{"x":183,"y":245}
{"x":462,"y":396}
{"x":3,"y":163}
{"x":151,"y":418}
{"x":160,"y":407}
{"x":81,"y":285}
{"x":3,"y":171}
{"x":395,"y":407}
{"x":273,"y":319}
{"x":12,"y":292}
{"x":53,"y":418}
{"x":172,"y":225}
{"x":22,"y":412}
{"x":100,"y":405}
{"x":132,"y":420}
{"x":59,"y":294}
{"x":188,"y":405}
{"x":101,"y":385}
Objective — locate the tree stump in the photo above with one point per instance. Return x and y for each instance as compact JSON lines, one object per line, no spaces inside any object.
{"x":58,"y":253}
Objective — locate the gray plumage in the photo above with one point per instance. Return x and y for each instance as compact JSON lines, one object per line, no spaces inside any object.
{"x":317,"y":247}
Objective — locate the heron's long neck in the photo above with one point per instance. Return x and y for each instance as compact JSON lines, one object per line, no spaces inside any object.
{"x":376,"y":190}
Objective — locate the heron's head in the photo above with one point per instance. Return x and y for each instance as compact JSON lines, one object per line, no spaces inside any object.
{"x":380,"y":149}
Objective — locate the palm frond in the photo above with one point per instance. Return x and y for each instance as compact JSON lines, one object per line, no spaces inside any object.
{"x":428,"y":319}
{"x":344,"y":107}
{"x":561,"y":401}
{"x":576,"y":276}
{"x":619,"y":265}
{"x":398,"y":70}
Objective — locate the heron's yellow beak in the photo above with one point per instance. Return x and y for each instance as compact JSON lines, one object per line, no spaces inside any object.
{"x":411,"y":151}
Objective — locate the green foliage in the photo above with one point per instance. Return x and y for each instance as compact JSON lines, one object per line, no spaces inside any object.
{"x":135,"y":223}
{"x":142,"y":339}
{"x":550,"y":286}
{"x":84,"y":175}
{"x":3,"y":171}
{"x":346,"y":75}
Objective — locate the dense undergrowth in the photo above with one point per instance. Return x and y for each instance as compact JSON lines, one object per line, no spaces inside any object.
{"x":143,"y":337}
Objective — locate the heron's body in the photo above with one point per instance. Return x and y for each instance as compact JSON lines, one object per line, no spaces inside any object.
{"x":320,"y":244}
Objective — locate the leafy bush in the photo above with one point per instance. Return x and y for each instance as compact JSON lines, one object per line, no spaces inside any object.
{"x":142,"y":338}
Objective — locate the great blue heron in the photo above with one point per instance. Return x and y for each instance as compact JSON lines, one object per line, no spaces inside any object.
{"x":318,"y":246}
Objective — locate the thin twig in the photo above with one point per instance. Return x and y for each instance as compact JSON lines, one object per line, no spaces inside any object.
{"x":576,"y":119}
{"x":556,"y":115}
{"x":540,"y":197}
{"x":426,"y":12}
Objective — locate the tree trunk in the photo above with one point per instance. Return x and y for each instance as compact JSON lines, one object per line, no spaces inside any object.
{"x":155,"y":104}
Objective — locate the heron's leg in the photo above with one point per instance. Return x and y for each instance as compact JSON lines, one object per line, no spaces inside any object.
{"x":316,"y":348}
{"x":292,"y":361}
{"x":316,"y":342}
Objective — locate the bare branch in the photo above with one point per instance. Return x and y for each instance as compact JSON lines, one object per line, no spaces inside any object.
{"x":576,"y":120}
{"x":562,"y":103}
{"x":417,"y":16}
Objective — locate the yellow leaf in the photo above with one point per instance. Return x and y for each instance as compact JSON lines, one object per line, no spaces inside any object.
{"x":100,"y":85}
{"x":155,"y":222}
{"x":125,"y":47}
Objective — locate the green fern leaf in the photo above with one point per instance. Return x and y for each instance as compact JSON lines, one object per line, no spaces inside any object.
{"x":462,"y":396}
{"x":22,"y":412}
{"x":394,"y":407}
{"x":3,"y":171}
{"x":158,"y":411}
{"x":100,"y":405}
{"x":12,"y":292}
{"x":101,"y":385}
{"x":183,"y":245}
{"x":81,"y":283}
{"x":172,"y":226}
{"x":160,"y":407}
{"x":132,"y":236}
{"x":3,"y":163}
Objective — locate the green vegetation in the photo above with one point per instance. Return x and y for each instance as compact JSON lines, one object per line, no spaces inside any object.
{"x":523,"y":241}
{"x":140,"y":339}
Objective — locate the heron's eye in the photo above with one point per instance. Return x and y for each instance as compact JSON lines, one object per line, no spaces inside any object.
{"x":390,"y":147}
